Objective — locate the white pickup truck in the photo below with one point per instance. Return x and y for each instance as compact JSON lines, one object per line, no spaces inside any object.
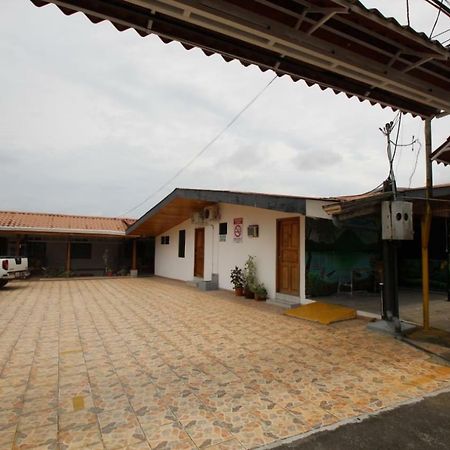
{"x":12,"y":267}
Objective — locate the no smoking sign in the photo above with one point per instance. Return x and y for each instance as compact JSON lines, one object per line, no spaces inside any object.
{"x":237,"y":229}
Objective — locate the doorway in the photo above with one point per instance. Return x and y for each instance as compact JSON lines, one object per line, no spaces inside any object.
{"x":199,"y":252}
{"x":288,"y":256}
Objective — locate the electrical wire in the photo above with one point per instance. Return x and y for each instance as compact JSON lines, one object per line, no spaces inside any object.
{"x":437,"y":18}
{"x":441,"y":33}
{"x":396,"y":139}
{"x":407,"y":13}
{"x":415,"y":164}
{"x":405,"y":145}
{"x":203,"y":150}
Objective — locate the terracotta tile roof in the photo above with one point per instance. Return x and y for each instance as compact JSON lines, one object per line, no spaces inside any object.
{"x":62,"y":223}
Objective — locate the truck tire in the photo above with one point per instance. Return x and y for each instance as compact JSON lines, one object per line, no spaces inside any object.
{"x":3,"y":283}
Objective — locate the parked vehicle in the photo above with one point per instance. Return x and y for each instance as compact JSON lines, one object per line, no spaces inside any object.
{"x":11,"y":268}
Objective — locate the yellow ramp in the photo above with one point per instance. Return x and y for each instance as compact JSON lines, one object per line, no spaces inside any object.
{"x":322,"y":312}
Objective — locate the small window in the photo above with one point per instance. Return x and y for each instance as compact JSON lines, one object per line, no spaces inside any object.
{"x":164,"y":240}
{"x":223,"y":228}
{"x":80,"y":250}
{"x":181,"y":243}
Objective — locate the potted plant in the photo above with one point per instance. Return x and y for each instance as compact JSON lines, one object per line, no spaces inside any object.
{"x":237,"y":280}
{"x":260,"y":292}
{"x":250,"y":277}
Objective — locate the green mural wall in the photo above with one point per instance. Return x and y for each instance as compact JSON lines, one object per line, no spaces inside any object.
{"x":335,"y":255}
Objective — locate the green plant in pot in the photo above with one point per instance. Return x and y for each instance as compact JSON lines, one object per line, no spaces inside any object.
{"x":260,"y":292}
{"x":237,"y":280}
{"x":250,"y":277}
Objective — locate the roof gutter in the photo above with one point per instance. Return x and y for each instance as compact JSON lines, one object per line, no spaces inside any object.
{"x":63,"y":231}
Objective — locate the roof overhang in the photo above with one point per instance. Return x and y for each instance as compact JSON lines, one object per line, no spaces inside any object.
{"x":62,"y":231}
{"x":442,"y":153}
{"x":337,"y":44}
{"x":371,"y":204}
{"x":181,"y":204}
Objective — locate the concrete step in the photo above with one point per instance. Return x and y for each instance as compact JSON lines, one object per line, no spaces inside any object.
{"x":284,"y":302}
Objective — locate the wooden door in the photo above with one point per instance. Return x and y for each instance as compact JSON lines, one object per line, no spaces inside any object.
{"x":199,"y":252}
{"x":288,"y":256}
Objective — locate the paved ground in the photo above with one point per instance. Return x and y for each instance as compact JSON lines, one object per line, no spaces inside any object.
{"x":147,"y":363}
{"x":410,"y":302}
{"x":419,"y":426}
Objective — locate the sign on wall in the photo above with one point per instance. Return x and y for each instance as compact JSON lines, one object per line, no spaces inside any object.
{"x":237,"y":229}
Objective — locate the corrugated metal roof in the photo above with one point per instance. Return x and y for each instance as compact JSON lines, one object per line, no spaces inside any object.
{"x":442,"y":153}
{"x":337,"y":44}
{"x":62,"y":223}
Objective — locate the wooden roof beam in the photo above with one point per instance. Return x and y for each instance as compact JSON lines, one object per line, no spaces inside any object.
{"x":251,"y":28}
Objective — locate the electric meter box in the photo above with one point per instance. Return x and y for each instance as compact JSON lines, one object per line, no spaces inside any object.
{"x":397,"y":220}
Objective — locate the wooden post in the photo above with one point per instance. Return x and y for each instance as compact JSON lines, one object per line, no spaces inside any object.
{"x":134,"y":256}
{"x":426,"y":225}
{"x":18,"y":241}
{"x":68,"y":259}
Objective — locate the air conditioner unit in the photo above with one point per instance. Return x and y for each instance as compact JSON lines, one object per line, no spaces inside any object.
{"x":211,"y":213}
{"x":197,"y":218}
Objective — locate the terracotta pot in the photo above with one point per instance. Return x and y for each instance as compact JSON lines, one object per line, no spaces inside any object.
{"x":260,"y":299}
{"x":239,"y":291}
{"x":248,"y":293}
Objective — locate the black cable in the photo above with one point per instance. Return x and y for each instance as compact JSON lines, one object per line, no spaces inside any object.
{"x":407,"y":13}
{"x":404,"y":145}
{"x":203,"y":150}
{"x":437,"y":18}
{"x":415,"y":164}
{"x":396,"y":139}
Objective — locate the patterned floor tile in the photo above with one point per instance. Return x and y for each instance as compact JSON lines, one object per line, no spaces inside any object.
{"x":77,"y":420}
{"x":80,"y":439}
{"x":7,"y":436}
{"x":37,"y":419}
{"x":120,"y":428}
{"x":252,"y":434}
{"x":45,"y":437}
{"x":313,"y":416}
{"x":155,"y":417}
{"x":206,"y":432}
{"x":8,"y":418}
{"x":232,"y":444}
{"x":11,"y":401}
{"x":169,"y":437}
{"x":280,"y":422}
{"x":134,"y":363}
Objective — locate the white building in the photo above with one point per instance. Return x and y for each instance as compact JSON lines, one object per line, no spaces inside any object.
{"x":203,"y":234}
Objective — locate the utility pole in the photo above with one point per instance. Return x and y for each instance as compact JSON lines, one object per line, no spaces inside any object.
{"x":390,"y":263}
{"x":425,"y":228}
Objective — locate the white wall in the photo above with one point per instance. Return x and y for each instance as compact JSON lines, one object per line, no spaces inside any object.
{"x":221,"y":257}
{"x":167,"y":262}
{"x":314,"y":209}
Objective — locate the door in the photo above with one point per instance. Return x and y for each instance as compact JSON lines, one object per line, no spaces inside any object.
{"x":199,"y":252}
{"x":288,"y":256}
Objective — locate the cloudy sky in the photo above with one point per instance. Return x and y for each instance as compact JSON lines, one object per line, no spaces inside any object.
{"x":93,"y":121}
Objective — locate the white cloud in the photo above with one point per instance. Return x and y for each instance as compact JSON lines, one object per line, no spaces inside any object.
{"x":94,"y":121}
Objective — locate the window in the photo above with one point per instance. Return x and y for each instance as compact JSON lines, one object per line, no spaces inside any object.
{"x":223,"y":228}
{"x":80,"y":250}
{"x":181,"y":243}
{"x":164,"y":240}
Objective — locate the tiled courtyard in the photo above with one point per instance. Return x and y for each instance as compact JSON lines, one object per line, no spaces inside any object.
{"x":148,"y":363}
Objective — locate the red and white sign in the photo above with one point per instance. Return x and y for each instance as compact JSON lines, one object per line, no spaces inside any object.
{"x":237,"y":232}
